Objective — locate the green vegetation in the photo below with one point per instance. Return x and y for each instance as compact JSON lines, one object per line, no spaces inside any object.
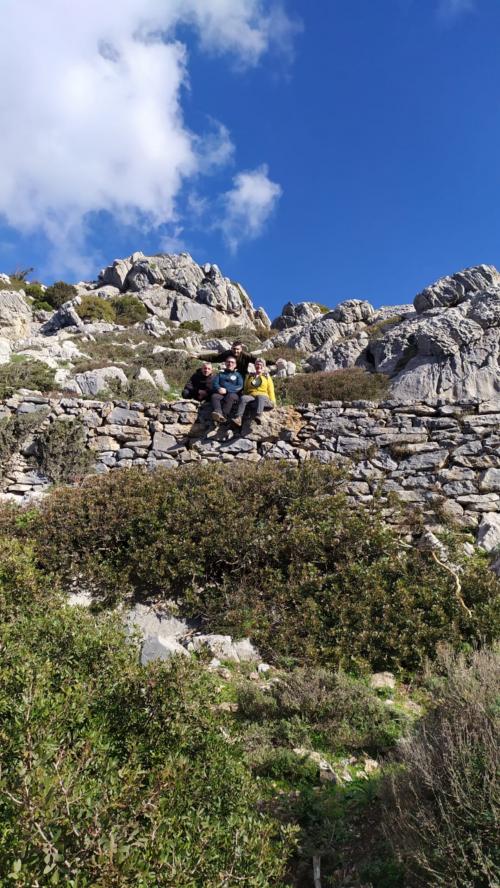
{"x":129,"y":310}
{"x":94,"y":308}
{"x":316,"y":580}
{"x":13,"y":432}
{"x":25,"y":373}
{"x":112,"y":774}
{"x":175,"y":774}
{"x":353,"y":384}
{"x":194,"y":326}
{"x":59,"y":293}
{"x":60,"y":452}
{"x":442,"y":809}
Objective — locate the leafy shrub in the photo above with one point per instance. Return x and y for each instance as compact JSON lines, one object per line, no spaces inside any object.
{"x":59,"y":293}
{"x":288,"y":354}
{"x":442,"y":813}
{"x":94,"y":308}
{"x":17,"y":280}
{"x":352,"y":384}
{"x":13,"y":432}
{"x":340,"y":709}
{"x":316,"y":580}
{"x":113,"y":774}
{"x":60,"y":452}
{"x":284,"y":764}
{"x":129,"y":310}
{"x":27,"y":374}
{"x":194,"y":326}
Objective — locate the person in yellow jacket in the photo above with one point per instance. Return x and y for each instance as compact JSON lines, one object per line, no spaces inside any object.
{"x":258,"y":393}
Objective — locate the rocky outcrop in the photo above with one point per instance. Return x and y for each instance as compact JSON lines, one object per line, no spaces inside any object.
{"x":15,"y":315}
{"x":442,"y":459}
{"x":176,"y":288}
{"x":446,"y":348}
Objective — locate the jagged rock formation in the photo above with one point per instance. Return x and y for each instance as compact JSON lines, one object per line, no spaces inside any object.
{"x":445,"y":348}
{"x":178,"y":289}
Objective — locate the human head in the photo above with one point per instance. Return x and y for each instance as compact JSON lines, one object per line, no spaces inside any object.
{"x":260,"y":365}
{"x":206,"y":368}
{"x":230,"y":363}
{"x":237,"y":347}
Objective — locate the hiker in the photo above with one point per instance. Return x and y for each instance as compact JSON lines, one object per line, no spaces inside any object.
{"x":226,"y":388}
{"x":237,"y":350}
{"x":199,"y":387}
{"x":258,"y":393}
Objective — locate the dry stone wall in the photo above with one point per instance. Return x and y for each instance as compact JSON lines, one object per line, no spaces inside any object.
{"x":444,"y":456}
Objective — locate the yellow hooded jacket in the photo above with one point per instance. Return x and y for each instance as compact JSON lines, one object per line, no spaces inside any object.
{"x":266,"y":386}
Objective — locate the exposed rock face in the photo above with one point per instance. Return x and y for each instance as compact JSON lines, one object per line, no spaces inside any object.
{"x":15,"y":315}
{"x":447,"y":349}
{"x":176,"y":288}
{"x":293,"y":314}
{"x":452,"y":290}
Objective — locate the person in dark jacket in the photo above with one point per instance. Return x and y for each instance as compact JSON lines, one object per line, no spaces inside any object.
{"x":237,"y":350}
{"x":227,"y":386}
{"x":199,"y":387}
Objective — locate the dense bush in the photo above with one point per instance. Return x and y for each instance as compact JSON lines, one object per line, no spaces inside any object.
{"x":13,"y":431}
{"x":314,"y":705}
{"x":275,"y":553}
{"x":194,"y":326}
{"x":129,"y":310}
{"x":112,"y":774}
{"x":59,"y":293}
{"x":25,"y":374}
{"x":94,"y":308}
{"x":60,"y":452}
{"x":353,"y":384}
{"x":442,"y":814}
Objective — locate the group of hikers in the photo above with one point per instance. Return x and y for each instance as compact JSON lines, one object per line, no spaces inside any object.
{"x":236,"y":388}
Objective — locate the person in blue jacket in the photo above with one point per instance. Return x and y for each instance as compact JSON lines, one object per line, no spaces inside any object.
{"x":227,"y":386}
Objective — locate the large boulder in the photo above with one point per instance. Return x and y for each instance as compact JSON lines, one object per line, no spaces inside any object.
{"x":94,"y":381}
{"x":15,"y":315}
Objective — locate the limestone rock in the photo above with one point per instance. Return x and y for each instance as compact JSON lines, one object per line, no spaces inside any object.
{"x":293,"y":314}
{"x":489,"y":532}
{"x":351,"y":311}
{"x":453,"y":290}
{"x":15,"y":315}
{"x":94,"y":381}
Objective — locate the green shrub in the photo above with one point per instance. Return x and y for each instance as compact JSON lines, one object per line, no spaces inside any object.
{"x":194,"y":326}
{"x":284,"y":764}
{"x":60,"y":452}
{"x":94,"y":308}
{"x":34,"y":291}
{"x":352,"y":384}
{"x":13,"y":432}
{"x":59,"y":293}
{"x":316,"y":580}
{"x":113,"y":774}
{"x":129,"y":310}
{"x":288,"y":354}
{"x":25,"y":373}
{"x":442,"y":810}
{"x":311,"y":703}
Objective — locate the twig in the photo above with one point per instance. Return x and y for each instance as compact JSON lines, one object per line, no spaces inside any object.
{"x":458,"y":585}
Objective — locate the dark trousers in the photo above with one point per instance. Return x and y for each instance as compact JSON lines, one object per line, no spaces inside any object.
{"x":224,"y":403}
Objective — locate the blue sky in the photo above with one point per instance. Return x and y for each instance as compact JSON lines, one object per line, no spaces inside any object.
{"x":314,"y":150}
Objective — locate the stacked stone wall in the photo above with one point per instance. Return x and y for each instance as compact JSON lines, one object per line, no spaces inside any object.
{"x":432,"y":456}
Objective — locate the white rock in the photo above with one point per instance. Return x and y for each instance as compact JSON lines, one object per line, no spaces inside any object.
{"x":489,"y":532}
{"x":93,"y":381}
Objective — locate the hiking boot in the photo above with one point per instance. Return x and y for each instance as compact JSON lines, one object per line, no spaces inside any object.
{"x":238,"y":421}
{"x":218,"y":417}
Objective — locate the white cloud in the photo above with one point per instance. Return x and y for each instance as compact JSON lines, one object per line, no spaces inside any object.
{"x":247,"y":206}
{"x":91,"y":107}
{"x":452,"y":9}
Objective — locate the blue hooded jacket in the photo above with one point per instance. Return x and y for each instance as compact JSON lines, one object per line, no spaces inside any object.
{"x":231,"y":380}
